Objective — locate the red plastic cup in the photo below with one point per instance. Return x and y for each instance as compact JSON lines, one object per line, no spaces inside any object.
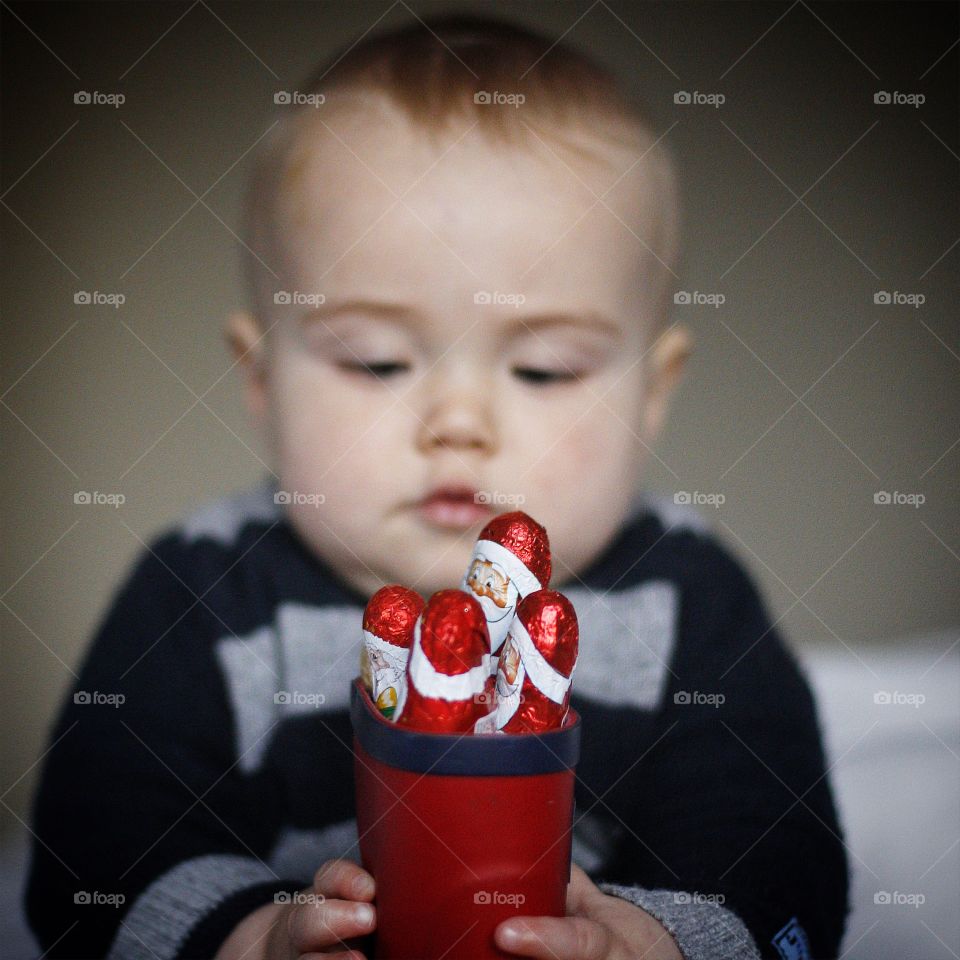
{"x":461,"y":832}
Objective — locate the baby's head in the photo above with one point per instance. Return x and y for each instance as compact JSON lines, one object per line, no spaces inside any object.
{"x":460,"y":268}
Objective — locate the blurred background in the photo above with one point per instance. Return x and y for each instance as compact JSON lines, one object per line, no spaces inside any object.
{"x":820,"y":280}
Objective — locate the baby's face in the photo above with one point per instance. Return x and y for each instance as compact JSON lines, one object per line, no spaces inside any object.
{"x":479,"y":348}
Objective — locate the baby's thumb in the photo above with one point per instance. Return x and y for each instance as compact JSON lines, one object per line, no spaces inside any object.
{"x":553,"y":938}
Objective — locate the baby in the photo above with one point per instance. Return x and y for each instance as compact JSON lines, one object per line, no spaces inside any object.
{"x":461,"y":241}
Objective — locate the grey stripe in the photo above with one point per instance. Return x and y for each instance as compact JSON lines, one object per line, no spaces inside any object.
{"x":165,"y":913}
{"x":674,"y":516}
{"x":299,"y":853}
{"x":303,"y":662}
{"x":248,"y":668}
{"x":702,"y":930}
{"x":626,"y":642}
{"x":223,"y":519}
{"x":309,"y":656}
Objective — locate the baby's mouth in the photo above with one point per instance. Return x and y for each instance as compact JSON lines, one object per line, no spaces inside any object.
{"x":453,"y":508}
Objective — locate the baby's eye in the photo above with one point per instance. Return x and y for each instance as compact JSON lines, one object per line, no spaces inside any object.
{"x":539,"y":377}
{"x":381,"y":370}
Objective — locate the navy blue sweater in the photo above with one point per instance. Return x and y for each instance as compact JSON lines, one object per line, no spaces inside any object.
{"x":202,"y":763}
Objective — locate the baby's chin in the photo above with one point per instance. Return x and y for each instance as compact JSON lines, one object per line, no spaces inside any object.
{"x":437,"y":563}
{"x":407,"y":553}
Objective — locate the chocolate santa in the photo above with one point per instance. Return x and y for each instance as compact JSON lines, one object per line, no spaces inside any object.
{"x":448,"y":684}
{"x":511,"y":559}
{"x":536,"y":665}
{"x":388,"y":623}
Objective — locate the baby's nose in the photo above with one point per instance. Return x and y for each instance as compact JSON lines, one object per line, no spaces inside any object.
{"x":458,"y":416}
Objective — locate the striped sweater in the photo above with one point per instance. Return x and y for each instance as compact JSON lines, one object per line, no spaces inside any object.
{"x":202,"y":763}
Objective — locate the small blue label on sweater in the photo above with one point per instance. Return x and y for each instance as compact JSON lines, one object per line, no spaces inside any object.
{"x":791,"y":941}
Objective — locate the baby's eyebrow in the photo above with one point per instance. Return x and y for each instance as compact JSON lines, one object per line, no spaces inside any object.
{"x":597,"y":322}
{"x":380,"y":309}
{"x":514,"y":326}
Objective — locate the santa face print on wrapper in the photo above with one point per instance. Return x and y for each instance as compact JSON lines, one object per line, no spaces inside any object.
{"x":511,"y":559}
{"x":510,"y":676}
{"x":387,"y":668}
{"x":496,"y":593}
{"x":536,"y":665}
{"x":388,"y":623}
{"x":509,"y":666}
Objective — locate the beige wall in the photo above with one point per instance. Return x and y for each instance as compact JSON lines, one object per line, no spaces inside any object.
{"x":104,"y":399}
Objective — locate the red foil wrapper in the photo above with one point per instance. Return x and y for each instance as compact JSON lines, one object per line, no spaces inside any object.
{"x":388,"y":623}
{"x":511,"y":559}
{"x":391,"y":613}
{"x":448,"y":682}
{"x":550,"y":623}
{"x":525,"y":539}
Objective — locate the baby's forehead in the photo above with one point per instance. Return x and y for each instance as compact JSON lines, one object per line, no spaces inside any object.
{"x":364,"y":140}
{"x":360,"y":187}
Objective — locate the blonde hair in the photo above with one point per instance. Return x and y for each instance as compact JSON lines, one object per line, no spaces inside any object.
{"x":441,"y":70}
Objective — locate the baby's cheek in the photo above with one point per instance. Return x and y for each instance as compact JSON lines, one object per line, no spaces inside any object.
{"x":578,"y":452}
{"x":313,"y":440}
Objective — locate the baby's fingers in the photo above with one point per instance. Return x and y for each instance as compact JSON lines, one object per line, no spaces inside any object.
{"x":553,"y":938}
{"x":327,"y":923}
{"x":344,"y":880}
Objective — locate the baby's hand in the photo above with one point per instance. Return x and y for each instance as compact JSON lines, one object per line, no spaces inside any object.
{"x":330,"y":923}
{"x":323,"y":926}
{"x":597,"y":927}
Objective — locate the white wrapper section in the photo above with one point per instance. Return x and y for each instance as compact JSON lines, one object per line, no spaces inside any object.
{"x":520,"y":582}
{"x":430,"y":682}
{"x":550,"y":682}
{"x":512,"y":565}
{"x":508,"y":696}
{"x":393,"y":674}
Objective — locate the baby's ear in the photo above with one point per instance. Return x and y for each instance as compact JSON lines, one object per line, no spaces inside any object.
{"x":246,"y":342}
{"x":665,"y":365}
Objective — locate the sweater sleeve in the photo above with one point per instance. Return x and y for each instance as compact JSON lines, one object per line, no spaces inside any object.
{"x":148,"y":842}
{"x":733,"y":841}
